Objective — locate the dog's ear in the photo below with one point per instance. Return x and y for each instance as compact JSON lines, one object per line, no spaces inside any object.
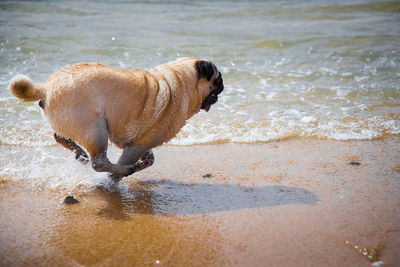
{"x":204,"y":69}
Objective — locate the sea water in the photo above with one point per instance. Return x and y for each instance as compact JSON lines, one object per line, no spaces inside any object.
{"x":316,"y":69}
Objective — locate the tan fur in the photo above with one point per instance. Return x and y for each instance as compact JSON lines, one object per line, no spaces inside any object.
{"x":146,"y":108}
{"x":22,"y":87}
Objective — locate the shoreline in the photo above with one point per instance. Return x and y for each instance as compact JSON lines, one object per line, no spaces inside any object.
{"x":294,"y":202}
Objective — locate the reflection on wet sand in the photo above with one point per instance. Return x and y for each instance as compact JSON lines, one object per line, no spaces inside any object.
{"x":168,"y":197}
{"x":163,"y":221}
{"x":128,"y":230}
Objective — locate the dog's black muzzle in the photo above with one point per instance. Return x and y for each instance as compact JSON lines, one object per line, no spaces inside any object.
{"x":212,"y":98}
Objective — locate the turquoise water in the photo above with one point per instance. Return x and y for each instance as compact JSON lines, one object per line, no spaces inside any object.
{"x":321,"y":69}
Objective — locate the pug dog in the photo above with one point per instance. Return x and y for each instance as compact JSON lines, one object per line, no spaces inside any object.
{"x":137,"y":110}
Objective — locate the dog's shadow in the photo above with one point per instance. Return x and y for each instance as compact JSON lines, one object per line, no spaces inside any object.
{"x":168,"y":197}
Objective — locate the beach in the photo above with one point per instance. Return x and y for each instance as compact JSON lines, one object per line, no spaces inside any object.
{"x":294,"y":202}
{"x":297,"y":164}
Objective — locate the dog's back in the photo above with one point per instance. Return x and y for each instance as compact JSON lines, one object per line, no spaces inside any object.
{"x":89,"y":103}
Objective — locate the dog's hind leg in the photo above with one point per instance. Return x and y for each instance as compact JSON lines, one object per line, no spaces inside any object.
{"x":80,"y":154}
{"x":137,"y":155}
{"x":96,"y":145}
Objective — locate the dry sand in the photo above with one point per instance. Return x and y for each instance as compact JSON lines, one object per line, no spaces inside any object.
{"x":295,"y":202}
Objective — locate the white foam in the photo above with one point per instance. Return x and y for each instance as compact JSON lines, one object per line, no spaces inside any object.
{"x":308,"y":119}
{"x":50,"y":168}
{"x":271,"y":96}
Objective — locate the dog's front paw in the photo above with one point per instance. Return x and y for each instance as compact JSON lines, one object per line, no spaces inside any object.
{"x":140,"y":165}
{"x":148,"y":157}
{"x":121,"y":171}
{"x":134,"y":168}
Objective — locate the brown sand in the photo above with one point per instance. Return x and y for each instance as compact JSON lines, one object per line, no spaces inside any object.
{"x":290,"y":203}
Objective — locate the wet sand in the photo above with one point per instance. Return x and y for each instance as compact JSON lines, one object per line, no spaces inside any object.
{"x":294,"y":202}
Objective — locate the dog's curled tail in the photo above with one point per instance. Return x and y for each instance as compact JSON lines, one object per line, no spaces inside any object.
{"x":23,"y":87}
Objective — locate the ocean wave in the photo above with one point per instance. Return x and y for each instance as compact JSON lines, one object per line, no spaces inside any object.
{"x":243,"y":117}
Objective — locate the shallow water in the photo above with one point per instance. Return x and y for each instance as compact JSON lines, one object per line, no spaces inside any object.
{"x":322,"y":69}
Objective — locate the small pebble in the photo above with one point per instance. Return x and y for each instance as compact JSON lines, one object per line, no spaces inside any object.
{"x":70,"y":200}
{"x":207,"y":175}
{"x":354,"y":163}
